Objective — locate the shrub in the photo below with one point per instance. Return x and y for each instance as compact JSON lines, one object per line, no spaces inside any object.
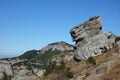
{"x":91,"y":60}
{"x":68,"y":73}
{"x":87,"y":74}
{"x":46,"y":56}
{"x":117,"y":39}
{"x":62,"y":69}
{"x":50,"y":68}
{"x":62,"y":66}
{"x":6,"y":77}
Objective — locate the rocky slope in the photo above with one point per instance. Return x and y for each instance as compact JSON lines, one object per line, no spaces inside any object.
{"x":97,"y":54}
{"x":106,"y":68}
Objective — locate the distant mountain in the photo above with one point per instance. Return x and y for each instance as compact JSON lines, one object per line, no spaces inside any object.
{"x":61,"y":46}
{"x":5,"y":56}
{"x":34,"y":60}
{"x":47,"y":52}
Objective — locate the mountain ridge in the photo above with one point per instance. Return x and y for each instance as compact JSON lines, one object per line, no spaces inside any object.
{"x":33,"y":61}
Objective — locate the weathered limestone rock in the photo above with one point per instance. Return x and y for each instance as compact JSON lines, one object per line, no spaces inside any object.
{"x":22,"y":75}
{"x":5,"y":67}
{"x":40,"y":72}
{"x":90,"y":40}
{"x":65,"y":58}
{"x":118,"y":46}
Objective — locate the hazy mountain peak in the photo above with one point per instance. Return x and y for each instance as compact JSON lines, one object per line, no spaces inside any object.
{"x":61,"y":46}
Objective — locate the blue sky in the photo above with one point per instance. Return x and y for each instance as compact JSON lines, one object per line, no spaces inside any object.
{"x":32,"y":24}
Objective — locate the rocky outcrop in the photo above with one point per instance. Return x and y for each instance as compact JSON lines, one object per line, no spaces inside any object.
{"x":5,"y":68}
{"x":40,"y":72}
{"x":66,"y":58}
{"x":90,"y":40}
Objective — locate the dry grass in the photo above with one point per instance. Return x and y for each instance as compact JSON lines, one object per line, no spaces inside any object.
{"x":83,"y":69}
{"x":105,"y":56}
{"x":114,"y":73}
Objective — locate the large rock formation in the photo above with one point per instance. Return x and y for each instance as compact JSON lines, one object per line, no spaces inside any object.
{"x":90,"y":40}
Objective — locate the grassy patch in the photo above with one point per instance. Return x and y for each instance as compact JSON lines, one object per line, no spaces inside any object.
{"x":46,"y":56}
{"x":59,"y":71}
{"x":91,"y":60}
{"x":29,"y":54}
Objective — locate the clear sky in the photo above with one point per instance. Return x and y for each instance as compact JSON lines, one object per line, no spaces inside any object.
{"x":32,"y":24}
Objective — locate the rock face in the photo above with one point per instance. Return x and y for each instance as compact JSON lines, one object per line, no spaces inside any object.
{"x":5,"y":67}
{"x":90,"y":40}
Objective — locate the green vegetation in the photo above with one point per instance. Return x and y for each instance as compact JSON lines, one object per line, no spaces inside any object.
{"x":34,"y":58}
{"x":46,"y":56}
{"x":69,"y":51}
{"x":29,"y":54}
{"x":61,"y":69}
{"x":91,"y":60}
{"x":42,"y":58}
{"x":69,"y":73}
{"x":50,"y":68}
{"x":29,"y":66}
{"x":6,"y":77}
{"x":117,"y":39}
